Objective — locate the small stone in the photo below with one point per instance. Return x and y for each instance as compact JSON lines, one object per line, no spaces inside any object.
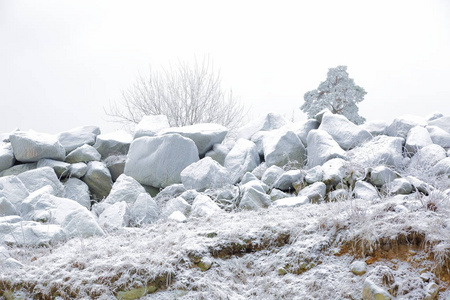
{"x":358,"y":268}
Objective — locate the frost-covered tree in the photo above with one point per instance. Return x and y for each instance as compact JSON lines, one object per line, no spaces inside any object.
{"x":338,"y":93}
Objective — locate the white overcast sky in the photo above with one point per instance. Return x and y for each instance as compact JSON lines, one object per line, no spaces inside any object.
{"x":62,"y":62}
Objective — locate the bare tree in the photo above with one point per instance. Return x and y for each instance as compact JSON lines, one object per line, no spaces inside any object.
{"x":186,"y":94}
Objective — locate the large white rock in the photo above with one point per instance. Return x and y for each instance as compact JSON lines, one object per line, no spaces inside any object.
{"x":116,"y":165}
{"x":254,"y":199}
{"x":286,"y":181}
{"x":305,"y":128}
{"x":28,"y":205}
{"x":13,"y":190}
{"x":400,"y":126}
{"x":291,"y":202}
{"x":78,"y":136}
{"x":439,"y":136}
{"x":30,"y":146}
{"x":158,"y":161}
{"x":417,"y":138}
{"x":203,"y":206}
{"x":151,"y":125}
{"x":7,"y":208}
{"x":334,"y":171}
{"x":381,"y":150}
{"x":28,"y":233}
{"x":242,"y":158}
{"x":18,"y":169}
{"x":38,"y":178}
{"x":204,"y":135}
{"x":268,"y":122}
{"x":382,"y":175}
{"x":98,"y":179}
{"x":113,"y":143}
{"x":205,"y":174}
{"x":77,"y":190}
{"x":427,"y":157}
{"x":125,"y":189}
{"x":6,"y":157}
{"x":322,"y":147}
{"x":81,"y":223}
{"x":376,"y":127}
{"x":144,"y":210}
{"x":347,"y":134}
{"x":283,"y":148}
{"x":442,"y":167}
{"x":83,"y":153}
{"x":61,"y":168}
{"x":176,"y":204}
{"x":218,"y":153}
{"x":115,"y":216}
{"x":443,"y":123}
{"x":78,"y":170}
{"x":364,"y":190}
{"x":271,"y":175}
{"x":398,"y":186}
{"x":314,"y":174}
{"x":315,"y":192}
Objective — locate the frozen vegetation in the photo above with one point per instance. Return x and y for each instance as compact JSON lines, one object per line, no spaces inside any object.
{"x":323,"y":209}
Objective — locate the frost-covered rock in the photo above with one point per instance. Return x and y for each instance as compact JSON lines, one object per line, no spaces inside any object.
{"x":248,"y":177}
{"x":7,"y":208}
{"x":306,"y":127}
{"x":158,"y":161}
{"x":218,"y":153}
{"x":427,"y":157}
{"x":442,"y":167}
{"x":11,"y":263}
{"x":113,"y":143}
{"x":38,"y":178}
{"x":115,"y":165}
{"x":439,"y":136}
{"x":434,"y":116}
{"x":144,"y":210}
{"x":334,"y":171}
{"x":13,"y":190}
{"x":287,"y":180}
{"x":176,"y":204}
{"x":81,"y":223}
{"x":420,"y":185}
{"x":30,"y":146}
{"x":280,"y":149}
{"x":83,"y":153}
{"x":98,"y":179}
{"x":375,"y":128}
{"x":347,"y":134}
{"x":203,"y":206}
{"x":6,"y":157}
{"x":204,"y":135}
{"x":61,"y":168}
{"x":314,"y":174}
{"x":18,"y":169}
{"x":255,"y":184}
{"x":189,"y":196}
{"x":364,"y":190}
{"x":398,"y":186}
{"x":268,"y":122}
{"x":315,"y":192}
{"x":78,"y":191}
{"x":28,"y":233}
{"x":115,"y":216}
{"x":28,"y":205}
{"x":271,"y":175}
{"x":242,"y":158}
{"x":417,"y":138}
{"x":443,"y":123}
{"x":322,"y":147}
{"x":125,"y":189}
{"x":254,"y":199}
{"x":338,"y":195}
{"x":77,"y":137}
{"x":259,"y":170}
{"x":382,"y":175}
{"x":400,"y":126}
{"x":381,"y":150}
{"x":291,"y":202}
{"x":78,"y":170}
{"x":358,"y":267}
{"x":372,"y":291}
{"x":177,"y":216}
{"x":205,"y":174}
{"x":151,"y":125}
{"x":277,"y":194}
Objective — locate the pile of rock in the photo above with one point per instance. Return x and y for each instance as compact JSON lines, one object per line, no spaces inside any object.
{"x":81,"y":182}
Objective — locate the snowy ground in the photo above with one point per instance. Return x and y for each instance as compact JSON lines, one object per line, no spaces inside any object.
{"x":276,"y":253}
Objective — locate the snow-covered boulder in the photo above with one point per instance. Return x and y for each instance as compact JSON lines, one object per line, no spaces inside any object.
{"x":280,"y":149}
{"x":177,"y":216}
{"x":29,"y":204}
{"x":347,"y":134}
{"x":439,"y":136}
{"x":38,"y":178}
{"x":322,"y":147}
{"x":254,"y":199}
{"x":83,"y":153}
{"x":291,"y":202}
{"x":420,"y":185}
{"x":28,"y":233}
{"x":314,"y":174}
{"x":427,"y":157}
{"x":443,"y":123}
{"x":268,"y":122}
{"x":271,"y":175}
{"x":7,"y":208}
{"x":381,"y":150}
{"x":398,"y":186}
{"x":247,"y":178}
{"x":364,"y":190}
{"x":334,"y":171}
{"x":315,"y":192}
{"x":125,"y":189}
{"x":115,"y":165}
{"x":61,"y":168}
{"x":203,"y":206}
{"x":376,"y":127}
{"x":277,"y":194}
{"x":144,"y":210}
{"x":287,"y":180}
{"x":205,"y":174}
{"x":151,"y":125}
{"x":255,"y":184}
{"x":204,"y":135}
{"x":417,"y":138}
{"x":30,"y":146}
{"x":442,"y":167}
{"x":115,"y":216}
{"x":306,"y":127}
{"x":242,"y":158}
{"x":358,"y":267}
{"x":382,"y":175}
{"x":81,"y":223}
{"x":158,"y":161}
{"x":77,"y":190}
{"x":98,"y":179}
{"x":6,"y":157}
{"x":176,"y":204}
{"x":77,"y":137}
{"x":433,"y":116}
{"x":13,"y":190}
{"x":218,"y":153}
{"x":338,"y":195}
{"x":18,"y":169}
{"x":400,"y":126}
{"x":113,"y":143}
{"x":78,"y":170}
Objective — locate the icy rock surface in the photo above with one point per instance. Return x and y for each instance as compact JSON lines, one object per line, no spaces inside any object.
{"x":321,"y":148}
{"x":78,"y":191}
{"x":83,"y":153}
{"x":78,"y":136}
{"x":125,"y":189}
{"x":417,"y":138}
{"x":38,"y":178}
{"x":400,"y":126}
{"x":98,"y":179}
{"x":151,"y":125}
{"x":205,"y":174}
{"x":242,"y":158}
{"x":268,"y":122}
{"x":6,"y":157}
{"x":30,"y":146}
{"x":114,"y":143}
{"x":280,"y":149}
